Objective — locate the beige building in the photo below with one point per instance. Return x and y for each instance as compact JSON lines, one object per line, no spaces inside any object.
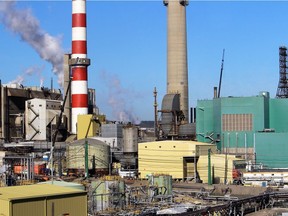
{"x":42,"y":200}
{"x":222,"y":167}
{"x":175,"y":158}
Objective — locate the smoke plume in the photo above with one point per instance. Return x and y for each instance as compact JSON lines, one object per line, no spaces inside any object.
{"x":31,"y":71}
{"x":120,"y":99}
{"x":23,"y":23}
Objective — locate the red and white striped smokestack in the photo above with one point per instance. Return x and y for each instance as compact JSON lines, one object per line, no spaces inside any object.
{"x":79,"y":62}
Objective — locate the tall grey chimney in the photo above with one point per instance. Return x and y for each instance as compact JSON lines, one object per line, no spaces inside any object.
{"x":177,"y":71}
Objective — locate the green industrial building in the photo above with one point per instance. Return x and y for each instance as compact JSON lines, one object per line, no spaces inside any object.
{"x":255,"y":128}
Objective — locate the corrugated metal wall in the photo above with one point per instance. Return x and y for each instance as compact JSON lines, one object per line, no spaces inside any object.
{"x":29,"y":207}
{"x":221,"y":121}
{"x":218,"y":167}
{"x":168,"y":157}
{"x":66,"y":205}
{"x":72,"y":205}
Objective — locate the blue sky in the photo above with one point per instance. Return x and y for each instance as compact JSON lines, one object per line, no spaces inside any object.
{"x":127,"y":47}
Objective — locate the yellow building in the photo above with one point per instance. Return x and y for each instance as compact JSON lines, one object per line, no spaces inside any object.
{"x":42,"y":200}
{"x":222,"y":167}
{"x":88,"y":124}
{"x":175,"y":158}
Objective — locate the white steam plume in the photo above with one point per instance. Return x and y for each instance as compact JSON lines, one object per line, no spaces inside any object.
{"x":31,"y":71}
{"x":120,"y":99}
{"x":19,"y":80}
{"x":23,"y":23}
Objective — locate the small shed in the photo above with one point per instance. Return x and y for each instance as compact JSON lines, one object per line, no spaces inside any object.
{"x":42,"y":200}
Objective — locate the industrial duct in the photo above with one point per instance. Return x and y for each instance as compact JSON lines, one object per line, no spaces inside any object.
{"x":171,"y":114}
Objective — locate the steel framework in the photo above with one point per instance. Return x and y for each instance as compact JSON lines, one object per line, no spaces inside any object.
{"x":282,"y":91}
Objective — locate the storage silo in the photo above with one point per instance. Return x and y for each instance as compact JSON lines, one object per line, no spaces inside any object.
{"x":98,"y":157}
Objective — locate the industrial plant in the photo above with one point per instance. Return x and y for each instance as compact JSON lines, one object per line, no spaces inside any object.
{"x":60,"y":156}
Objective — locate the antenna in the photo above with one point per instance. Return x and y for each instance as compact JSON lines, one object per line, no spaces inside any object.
{"x":221,"y":71}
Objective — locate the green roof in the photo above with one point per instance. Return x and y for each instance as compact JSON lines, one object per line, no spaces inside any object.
{"x":35,"y":191}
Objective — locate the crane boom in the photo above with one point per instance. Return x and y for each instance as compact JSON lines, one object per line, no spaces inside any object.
{"x":221,"y":72}
{"x":50,"y":162}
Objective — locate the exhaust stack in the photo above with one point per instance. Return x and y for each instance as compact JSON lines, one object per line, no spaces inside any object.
{"x":79,"y":63}
{"x":177,"y":71}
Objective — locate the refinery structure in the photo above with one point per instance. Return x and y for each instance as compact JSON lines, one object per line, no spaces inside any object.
{"x":60,"y":156}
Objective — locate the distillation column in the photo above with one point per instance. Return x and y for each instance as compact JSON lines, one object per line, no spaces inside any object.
{"x":177,"y":71}
{"x":79,"y":62}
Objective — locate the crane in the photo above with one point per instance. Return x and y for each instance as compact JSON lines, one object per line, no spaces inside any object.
{"x":221,"y":71}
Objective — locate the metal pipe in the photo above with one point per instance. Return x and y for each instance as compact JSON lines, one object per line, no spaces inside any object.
{"x":215,"y":92}
{"x":67,"y":77}
{"x":86,"y":150}
{"x":26,"y":165}
{"x":6,"y":118}
{"x":245,"y":143}
{"x":21,"y":168}
{"x":191,"y":115}
{"x":1,"y":119}
{"x":254,"y":142}
{"x":28,"y":168}
{"x":228,"y":143}
{"x":33,"y":168}
{"x":226,"y":168}
{"x":222,"y":143}
{"x":236,"y":142}
{"x":195,"y":164}
{"x":209,"y":167}
{"x":155,"y":114}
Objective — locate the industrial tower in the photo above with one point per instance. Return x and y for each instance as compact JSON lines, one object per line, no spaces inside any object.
{"x":79,"y":62}
{"x":177,"y":71}
{"x":282,"y":91}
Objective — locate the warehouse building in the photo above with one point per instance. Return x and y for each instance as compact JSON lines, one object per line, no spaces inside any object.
{"x":175,"y":158}
{"x":255,"y":128}
{"x":42,"y":200}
